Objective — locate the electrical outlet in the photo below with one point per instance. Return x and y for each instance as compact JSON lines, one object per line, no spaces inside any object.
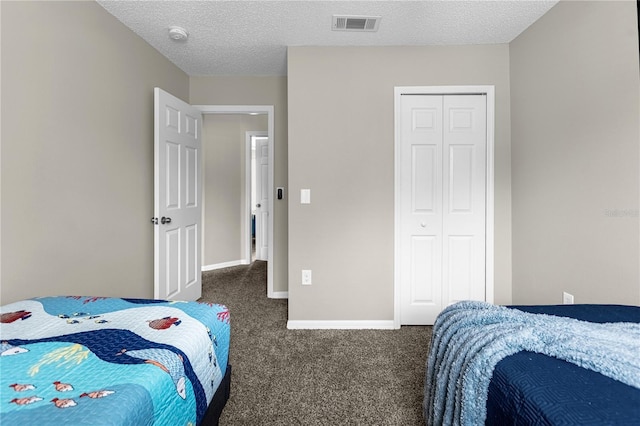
{"x":306,"y":277}
{"x":567,"y":298}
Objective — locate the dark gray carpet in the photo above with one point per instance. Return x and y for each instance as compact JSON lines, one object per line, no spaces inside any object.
{"x":313,"y":377}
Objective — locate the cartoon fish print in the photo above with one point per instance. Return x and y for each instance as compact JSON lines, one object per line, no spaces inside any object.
{"x":14,"y":316}
{"x":97,"y":394}
{"x":64,"y":403}
{"x":7,"y":348}
{"x":164,"y":323}
{"x":25,"y":401}
{"x":62,"y":387}
{"x":22,"y":387}
{"x":73,"y":321}
{"x":168,"y":361}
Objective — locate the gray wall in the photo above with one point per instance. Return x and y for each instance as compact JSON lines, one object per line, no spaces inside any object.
{"x":575,"y":157}
{"x":258,"y":91}
{"x":224,"y":215}
{"x":77,"y":151}
{"x":341,"y":141}
{"x":77,"y":106}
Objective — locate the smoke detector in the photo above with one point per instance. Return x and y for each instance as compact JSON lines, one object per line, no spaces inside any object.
{"x":178,"y":33}
{"x":355,"y":23}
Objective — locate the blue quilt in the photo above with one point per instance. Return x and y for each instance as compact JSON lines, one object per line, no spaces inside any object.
{"x":531,"y":388}
{"x":99,"y":361}
{"x":470,"y":338}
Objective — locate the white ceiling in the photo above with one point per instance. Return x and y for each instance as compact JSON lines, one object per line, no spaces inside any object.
{"x":243,"y":37}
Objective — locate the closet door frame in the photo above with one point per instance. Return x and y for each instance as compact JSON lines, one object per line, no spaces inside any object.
{"x":489,"y":91}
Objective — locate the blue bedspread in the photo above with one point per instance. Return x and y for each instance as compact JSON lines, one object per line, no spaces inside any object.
{"x":470,"y":338}
{"x":99,"y":361}
{"x":529,"y":388}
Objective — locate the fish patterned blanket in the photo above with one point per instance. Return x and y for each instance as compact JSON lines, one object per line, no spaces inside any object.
{"x":95,"y":360}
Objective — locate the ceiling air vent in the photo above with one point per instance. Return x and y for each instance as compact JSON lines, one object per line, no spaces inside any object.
{"x":355,"y":23}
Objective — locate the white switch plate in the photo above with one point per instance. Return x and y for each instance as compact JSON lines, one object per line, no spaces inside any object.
{"x":305,"y":196}
{"x":567,"y":298}
{"x":306,"y":277}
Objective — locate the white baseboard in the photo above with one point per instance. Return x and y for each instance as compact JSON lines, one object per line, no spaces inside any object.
{"x":278,"y":295}
{"x":224,"y":265}
{"x":341,"y":325}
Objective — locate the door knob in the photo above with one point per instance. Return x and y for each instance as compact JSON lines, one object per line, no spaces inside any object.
{"x":258,"y":205}
{"x":165,"y":220}
{"x":423,"y":224}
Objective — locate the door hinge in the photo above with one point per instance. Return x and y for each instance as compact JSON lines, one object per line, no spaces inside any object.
{"x":154,"y":220}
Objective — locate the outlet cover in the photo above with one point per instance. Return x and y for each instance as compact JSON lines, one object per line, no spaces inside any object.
{"x":306,"y":277}
{"x":567,"y":298}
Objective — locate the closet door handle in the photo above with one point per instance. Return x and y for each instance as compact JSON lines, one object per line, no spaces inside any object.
{"x":165,"y":220}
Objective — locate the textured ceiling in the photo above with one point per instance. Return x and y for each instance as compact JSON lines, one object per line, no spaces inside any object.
{"x":251,"y":37}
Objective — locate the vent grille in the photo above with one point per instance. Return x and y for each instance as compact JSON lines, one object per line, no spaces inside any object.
{"x":355,"y":23}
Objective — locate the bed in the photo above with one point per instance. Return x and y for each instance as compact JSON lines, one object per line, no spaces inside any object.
{"x":95,"y":360}
{"x":542,"y":365}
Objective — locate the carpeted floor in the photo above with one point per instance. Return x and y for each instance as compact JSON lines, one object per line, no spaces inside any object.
{"x":313,"y":377}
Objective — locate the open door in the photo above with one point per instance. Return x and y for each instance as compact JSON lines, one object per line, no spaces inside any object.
{"x":178,"y":197}
{"x":262,"y":197}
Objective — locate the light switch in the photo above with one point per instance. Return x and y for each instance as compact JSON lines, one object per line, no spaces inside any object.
{"x":305,"y":196}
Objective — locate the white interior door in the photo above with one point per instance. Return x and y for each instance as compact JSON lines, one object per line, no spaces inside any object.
{"x":442,"y":201}
{"x":421,"y":208}
{"x":262,"y":197}
{"x":464,"y":197}
{"x":178,"y":198}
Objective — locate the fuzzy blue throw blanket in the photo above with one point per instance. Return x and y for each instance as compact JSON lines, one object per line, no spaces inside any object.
{"x":470,"y":338}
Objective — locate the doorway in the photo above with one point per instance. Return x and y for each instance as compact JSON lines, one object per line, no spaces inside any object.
{"x":443,"y":199}
{"x":267,"y":110}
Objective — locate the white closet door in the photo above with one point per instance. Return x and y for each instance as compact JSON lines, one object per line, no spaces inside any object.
{"x":464,"y":199}
{"x":421,"y":208}
{"x":442,"y":203}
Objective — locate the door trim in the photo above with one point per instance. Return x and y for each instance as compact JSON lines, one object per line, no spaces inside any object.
{"x":489,"y":91}
{"x":260,"y":109}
